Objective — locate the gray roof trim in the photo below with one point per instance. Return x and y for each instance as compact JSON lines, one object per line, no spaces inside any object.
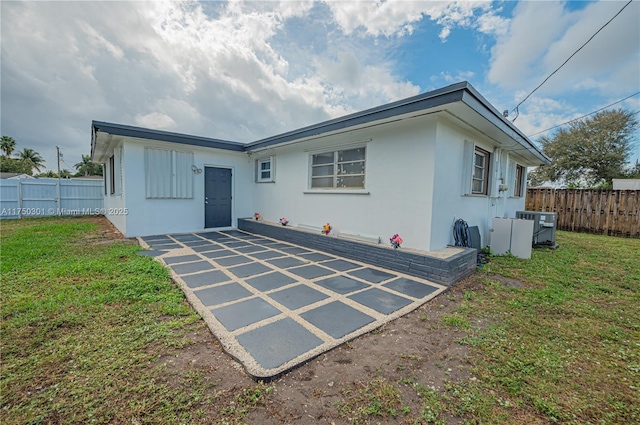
{"x":449,"y":94}
{"x":474,"y":99}
{"x":163,"y":136}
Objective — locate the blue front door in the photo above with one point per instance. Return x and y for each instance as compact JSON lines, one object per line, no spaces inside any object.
{"x":217,"y":197}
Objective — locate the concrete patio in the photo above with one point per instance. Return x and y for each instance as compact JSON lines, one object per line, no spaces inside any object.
{"x":274,"y":305}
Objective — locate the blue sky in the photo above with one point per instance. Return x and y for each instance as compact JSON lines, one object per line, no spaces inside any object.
{"x":247,"y":70}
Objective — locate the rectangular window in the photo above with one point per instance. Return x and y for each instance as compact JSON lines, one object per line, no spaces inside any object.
{"x":168,"y":174}
{"x":112,"y":175}
{"x":480,"y":176}
{"x":342,"y":169}
{"x":264,"y":170}
{"x":518,"y":184}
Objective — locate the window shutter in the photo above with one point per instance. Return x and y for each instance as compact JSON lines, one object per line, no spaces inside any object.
{"x":467,"y":167}
{"x":168,"y":174}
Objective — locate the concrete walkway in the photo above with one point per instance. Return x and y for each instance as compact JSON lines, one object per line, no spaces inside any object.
{"x":274,"y":305}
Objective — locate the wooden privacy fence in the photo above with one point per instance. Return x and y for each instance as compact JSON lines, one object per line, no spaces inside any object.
{"x":610,"y":212}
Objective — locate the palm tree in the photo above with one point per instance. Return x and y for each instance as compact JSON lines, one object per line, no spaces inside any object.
{"x":86,"y":166}
{"x":8,"y":145}
{"x":65,"y":174}
{"x":33,"y":157}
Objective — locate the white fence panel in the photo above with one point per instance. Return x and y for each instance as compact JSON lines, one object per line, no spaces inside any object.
{"x":50,"y":197}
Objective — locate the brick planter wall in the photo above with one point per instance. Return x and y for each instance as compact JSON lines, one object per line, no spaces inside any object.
{"x":445,"y":271}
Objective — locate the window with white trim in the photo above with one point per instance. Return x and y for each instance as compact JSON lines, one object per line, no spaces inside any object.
{"x":518,"y":184}
{"x":264,"y":170}
{"x":342,"y":169}
{"x":480,"y":175}
{"x":168,"y":174}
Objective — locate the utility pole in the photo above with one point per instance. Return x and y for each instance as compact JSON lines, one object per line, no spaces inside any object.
{"x":58,"y":155}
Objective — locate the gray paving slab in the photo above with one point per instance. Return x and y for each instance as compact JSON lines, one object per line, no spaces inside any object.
{"x":181,"y":259}
{"x":248,"y":270}
{"x":186,"y":268}
{"x":286,"y":262}
{"x":166,"y":247}
{"x":265,"y":255}
{"x":219,"y":253}
{"x":270,"y":281}
{"x":411,"y":287}
{"x":372,"y":275}
{"x":380,"y":300}
{"x":206,"y":248}
{"x":235,"y":233}
{"x":205,"y":278}
{"x":311,"y":271}
{"x":213,"y":236}
{"x":235,"y":244}
{"x":279,"y":245}
{"x":233,"y":261}
{"x":341,"y":265}
{"x":150,"y":253}
{"x":297,"y":296}
{"x":342,"y":284}
{"x":269,"y":242}
{"x":199,"y":242}
{"x":188,"y":237}
{"x":250,"y":248}
{"x":158,"y":239}
{"x":243,"y":313}
{"x":337,"y":319}
{"x":296,"y":250}
{"x":315,"y":256}
{"x":277,"y":343}
{"x":222,"y":294}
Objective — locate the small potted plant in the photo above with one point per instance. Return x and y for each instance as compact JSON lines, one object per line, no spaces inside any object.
{"x":257,"y":216}
{"x":396,"y":241}
{"x":284,"y":221}
{"x":326,"y":229}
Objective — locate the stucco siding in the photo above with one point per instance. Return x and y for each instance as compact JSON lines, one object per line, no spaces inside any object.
{"x":160,"y":216}
{"x":398,"y":184}
{"x":115,"y":204}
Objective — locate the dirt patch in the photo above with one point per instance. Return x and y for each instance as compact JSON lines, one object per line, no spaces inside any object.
{"x":506,"y":281}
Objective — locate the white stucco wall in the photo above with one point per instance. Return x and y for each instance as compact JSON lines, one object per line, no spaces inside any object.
{"x":114,"y":204}
{"x":159,"y":216}
{"x":449,"y":202}
{"x":398,"y":178}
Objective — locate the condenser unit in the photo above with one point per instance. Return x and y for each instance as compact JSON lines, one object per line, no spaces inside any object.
{"x":544,"y":226}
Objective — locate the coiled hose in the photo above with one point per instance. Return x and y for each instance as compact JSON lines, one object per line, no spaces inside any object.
{"x":461,"y":233}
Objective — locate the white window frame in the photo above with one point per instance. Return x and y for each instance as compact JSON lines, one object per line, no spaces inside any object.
{"x":336,"y":164}
{"x":486,"y":170}
{"x":469,"y":166}
{"x":259,"y":170}
{"x":519,"y":181}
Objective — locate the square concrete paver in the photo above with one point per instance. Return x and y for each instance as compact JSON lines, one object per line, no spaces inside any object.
{"x":250,"y":269}
{"x":341,"y":265}
{"x":253,"y":293}
{"x":222,"y":294}
{"x":186,"y":268}
{"x":297,"y":296}
{"x":150,"y":253}
{"x":286,"y":262}
{"x":233,"y":261}
{"x":372,"y":275}
{"x":311,"y":271}
{"x":278,"y":343}
{"x":342,"y":284}
{"x":217,"y":254}
{"x":243,"y":313}
{"x":206,"y":278}
{"x":411,"y":287}
{"x":181,"y":259}
{"x":265,"y":255}
{"x":270,"y":281}
{"x":315,"y":256}
{"x":337,"y":319}
{"x":380,"y":300}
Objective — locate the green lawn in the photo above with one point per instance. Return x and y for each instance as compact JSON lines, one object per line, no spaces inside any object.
{"x":83,"y":325}
{"x":84,"y":322}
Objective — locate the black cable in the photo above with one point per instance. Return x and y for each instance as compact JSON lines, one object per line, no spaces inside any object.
{"x":564,"y":63}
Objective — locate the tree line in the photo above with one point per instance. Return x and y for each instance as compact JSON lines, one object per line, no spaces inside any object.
{"x":28,"y":160}
{"x":590,"y":152}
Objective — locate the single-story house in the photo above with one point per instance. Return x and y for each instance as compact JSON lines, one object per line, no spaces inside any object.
{"x":15,"y":176}
{"x":411,"y":167}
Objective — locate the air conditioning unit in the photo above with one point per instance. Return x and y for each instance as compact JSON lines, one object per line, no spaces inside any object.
{"x":544,"y":226}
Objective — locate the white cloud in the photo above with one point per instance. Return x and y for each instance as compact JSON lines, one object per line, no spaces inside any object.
{"x":156,"y":120}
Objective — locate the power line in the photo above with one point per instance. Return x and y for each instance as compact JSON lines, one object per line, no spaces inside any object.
{"x":564,"y":63}
{"x":585,"y":115}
